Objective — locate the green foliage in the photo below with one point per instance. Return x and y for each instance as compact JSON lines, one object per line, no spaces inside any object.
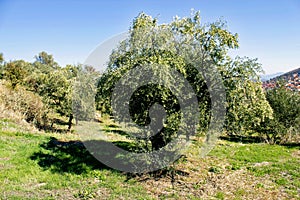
{"x":286,"y":106}
{"x":149,"y":43}
{"x":15,"y":72}
{"x":34,"y":168}
{"x":273,"y":162}
{"x":45,"y":62}
{"x":220,"y":195}
{"x":39,"y":70}
{"x":286,"y":123}
{"x":1,"y":58}
{"x":56,"y":90}
{"x":42,"y":166}
{"x":26,"y":103}
{"x":53,"y":85}
{"x":68,"y":90}
{"x":1,"y":65}
{"x":83,"y":94}
{"x":247,"y":105}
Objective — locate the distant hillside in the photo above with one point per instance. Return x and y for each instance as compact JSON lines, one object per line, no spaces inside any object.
{"x":288,"y":75}
{"x":292,"y":79}
{"x":266,"y":77}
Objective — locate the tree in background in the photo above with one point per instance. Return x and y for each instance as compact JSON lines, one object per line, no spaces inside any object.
{"x":1,"y":58}
{"x":247,"y":107}
{"x":15,"y":72}
{"x":16,"y":98}
{"x":54,"y":84}
{"x":286,"y":122}
{"x":83,"y":94}
{"x":45,"y":62}
{"x":60,"y":89}
{"x":56,"y":90}
{"x":40,"y":68}
{"x":1,"y":65}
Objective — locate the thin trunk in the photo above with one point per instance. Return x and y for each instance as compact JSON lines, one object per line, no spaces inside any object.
{"x":70,"y":122}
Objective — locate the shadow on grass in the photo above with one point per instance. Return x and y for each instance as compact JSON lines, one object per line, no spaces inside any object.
{"x":243,"y":139}
{"x":119,"y":132}
{"x":56,"y":125}
{"x":52,"y":129}
{"x":292,"y":145}
{"x":60,"y":122}
{"x":254,"y":139}
{"x":113,"y":126}
{"x":168,"y":173}
{"x":73,"y":157}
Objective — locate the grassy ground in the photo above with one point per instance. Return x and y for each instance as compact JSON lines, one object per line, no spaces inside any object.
{"x":57,"y":166}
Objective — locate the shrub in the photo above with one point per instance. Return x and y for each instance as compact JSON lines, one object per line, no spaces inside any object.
{"x":285,"y":126}
{"x":28,"y":104}
{"x":15,"y":72}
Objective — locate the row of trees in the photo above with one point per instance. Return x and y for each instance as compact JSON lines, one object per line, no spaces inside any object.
{"x":249,"y":109}
{"x":46,"y":80}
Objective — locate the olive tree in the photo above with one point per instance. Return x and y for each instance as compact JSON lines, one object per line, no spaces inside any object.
{"x":285,"y":126}
{"x":15,"y":72}
{"x":1,"y":65}
{"x":154,"y":44}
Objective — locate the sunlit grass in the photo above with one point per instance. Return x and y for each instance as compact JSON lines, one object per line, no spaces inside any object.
{"x":56,"y":166}
{"x":22,"y":177}
{"x":281,"y":164}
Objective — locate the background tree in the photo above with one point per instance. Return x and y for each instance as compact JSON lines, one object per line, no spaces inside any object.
{"x":45,"y":62}
{"x":1,"y":65}
{"x":247,"y":106}
{"x":40,"y":68}
{"x":1,"y":58}
{"x":55,"y":85}
{"x":286,"y":122}
{"x":56,"y":90}
{"x":68,"y":91}
{"x":83,"y":94}
{"x":15,"y":72}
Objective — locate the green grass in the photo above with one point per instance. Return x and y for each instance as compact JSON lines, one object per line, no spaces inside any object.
{"x":220,"y":195}
{"x":54,"y":166}
{"x":7,"y":124}
{"x":26,"y":174}
{"x":272,"y":161}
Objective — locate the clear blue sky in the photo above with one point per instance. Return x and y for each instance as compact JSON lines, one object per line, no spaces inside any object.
{"x":70,"y":30}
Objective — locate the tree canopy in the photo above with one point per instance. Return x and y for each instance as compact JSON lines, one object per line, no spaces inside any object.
{"x":175,"y":45}
{"x":183,"y":50}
